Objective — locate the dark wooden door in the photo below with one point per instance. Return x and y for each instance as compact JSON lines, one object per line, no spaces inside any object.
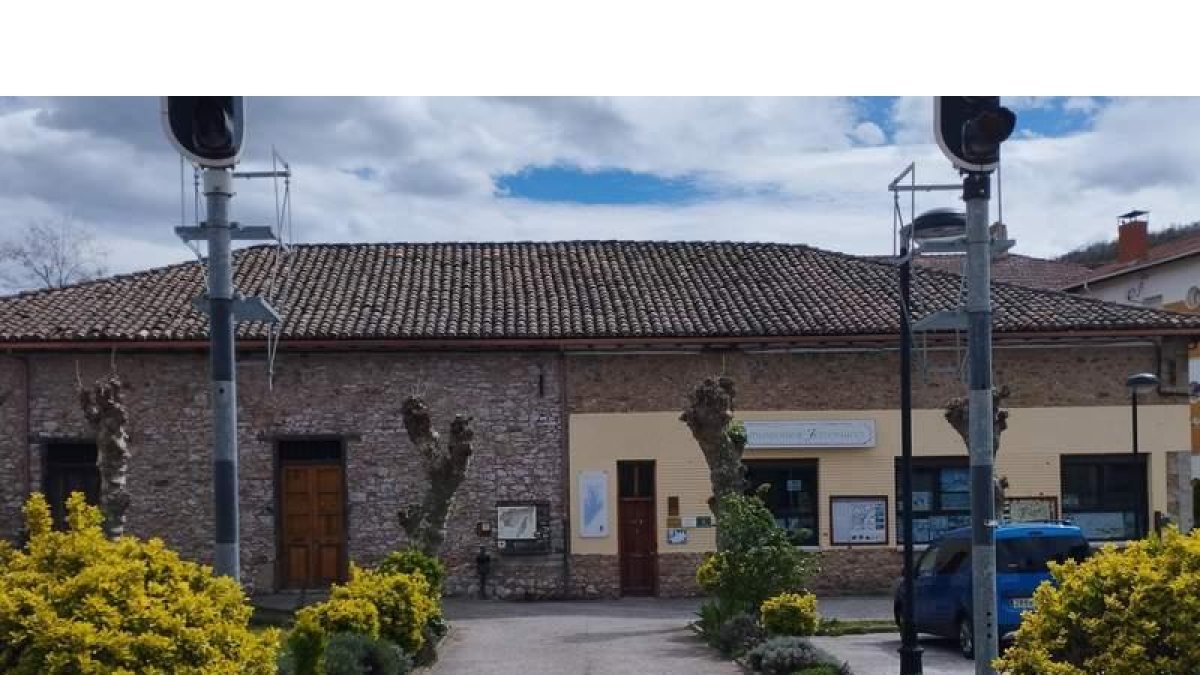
{"x":314,"y":532}
{"x":637,"y":543}
{"x":70,"y":467}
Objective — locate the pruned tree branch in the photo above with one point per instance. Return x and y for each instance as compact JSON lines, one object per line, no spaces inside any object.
{"x":108,"y":418}
{"x":709,"y":415}
{"x":445,"y":465}
{"x":958,"y":414}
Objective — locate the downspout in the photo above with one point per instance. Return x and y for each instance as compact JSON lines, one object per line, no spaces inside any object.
{"x":28,"y":436}
{"x":565,"y":442}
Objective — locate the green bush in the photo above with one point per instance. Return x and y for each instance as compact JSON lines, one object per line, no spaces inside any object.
{"x":825,"y":669}
{"x":398,"y":608}
{"x":76,"y":602}
{"x":357,"y":654}
{"x":790,"y":614}
{"x":1131,"y":610}
{"x":739,"y":634}
{"x":783,"y":656}
{"x":411,"y":560}
{"x":315,"y":624}
{"x":756,"y":559}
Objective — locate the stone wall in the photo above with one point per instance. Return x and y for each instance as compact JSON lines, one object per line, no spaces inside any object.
{"x":857,"y":571}
{"x":514,"y":398}
{"x":677,"y":574}
{"x":15,"y":467}
{"x":594,"y":576}
{"x":860,"y":380}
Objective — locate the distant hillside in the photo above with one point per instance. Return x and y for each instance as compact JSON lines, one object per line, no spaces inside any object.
{"x":1104,"y":252}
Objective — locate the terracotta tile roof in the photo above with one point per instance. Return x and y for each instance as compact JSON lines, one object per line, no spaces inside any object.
{"x":1159,"y":254}
{"x":550,"y":290}
{"x":1018,"y":269}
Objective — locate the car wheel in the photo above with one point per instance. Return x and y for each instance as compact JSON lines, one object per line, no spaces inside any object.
{"x":966,"y":637}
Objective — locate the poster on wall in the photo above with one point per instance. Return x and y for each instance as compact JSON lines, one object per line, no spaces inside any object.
{"x":593,"y":504}
{"x":1029,"y":509}
{"x":858,"y":520}
{"x":516,"y":522}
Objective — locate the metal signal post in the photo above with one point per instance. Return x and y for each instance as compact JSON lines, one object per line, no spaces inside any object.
{"x":208,"y":130}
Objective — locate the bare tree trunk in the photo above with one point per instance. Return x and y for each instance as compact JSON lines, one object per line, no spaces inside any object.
{"x":958,"y":415}
{"x":108,"y":418}
{"x":425,"y":523}
{"x":709,"y":415}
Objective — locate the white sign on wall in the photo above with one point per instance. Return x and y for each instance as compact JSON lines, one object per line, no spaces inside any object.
{"x":593,"y":504}
{"x":814,"y":434}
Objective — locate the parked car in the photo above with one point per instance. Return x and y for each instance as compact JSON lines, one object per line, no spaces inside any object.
{"x":943,"y":578}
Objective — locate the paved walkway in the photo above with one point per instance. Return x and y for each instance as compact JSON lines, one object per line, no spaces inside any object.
{"x":622,"y":637}
{"x":876,"y":653}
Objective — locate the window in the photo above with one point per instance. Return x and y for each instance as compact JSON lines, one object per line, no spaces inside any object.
{"x":925,"y":565}
{"x":792,"y":497}
{"x":952,"y":555}
{"x":941,"y":497}
{"x":1100,"y":494}
{"x":70,"y":467}
{"x":1030,"y":554}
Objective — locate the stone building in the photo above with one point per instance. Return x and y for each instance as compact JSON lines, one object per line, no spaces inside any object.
{"x":575,"y":359}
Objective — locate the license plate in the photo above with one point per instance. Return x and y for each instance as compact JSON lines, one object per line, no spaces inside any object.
{"x":1022,"y":604}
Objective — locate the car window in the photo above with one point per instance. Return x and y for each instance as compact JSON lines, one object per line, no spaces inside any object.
{"x":1030,"y":554}
{"x":925,"y":564}
{"x":951,"y":556}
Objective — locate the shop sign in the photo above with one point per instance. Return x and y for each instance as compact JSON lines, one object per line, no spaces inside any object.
{"x":813,"y":434}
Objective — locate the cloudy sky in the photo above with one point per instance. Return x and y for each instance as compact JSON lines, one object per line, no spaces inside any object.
{"x":811,"y":170}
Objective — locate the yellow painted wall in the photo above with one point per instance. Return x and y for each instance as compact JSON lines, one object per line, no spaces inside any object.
{"x":1029,"y":457}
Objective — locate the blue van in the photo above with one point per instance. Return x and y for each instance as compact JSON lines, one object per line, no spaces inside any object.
{"x":942,"y":580}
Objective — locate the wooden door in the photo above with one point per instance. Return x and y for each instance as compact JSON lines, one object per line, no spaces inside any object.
{"x":637,"y":542}
{"x":314,"y":532}
{"x":70,"y":467}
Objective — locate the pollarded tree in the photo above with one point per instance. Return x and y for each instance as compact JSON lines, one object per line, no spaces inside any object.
{"x":445,"y":466}
{"x":108,"y":418}
{"x":959,"y":416}
{"x":709,"y":414}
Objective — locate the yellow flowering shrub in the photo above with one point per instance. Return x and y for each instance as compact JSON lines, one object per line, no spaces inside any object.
{"x":75,"y":602}
{"x":790,"y":614}
{"x":1131,"y":610}
{"x":393,"y":606}
{"x":404,"y":601}
{"x":708,"y":575}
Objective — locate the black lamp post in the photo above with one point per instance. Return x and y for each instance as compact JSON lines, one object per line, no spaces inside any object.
{"x":1140,"y":383}
{"x":928,"y":227}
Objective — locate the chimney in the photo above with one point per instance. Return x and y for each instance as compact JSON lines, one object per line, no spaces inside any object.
{"x":1133,"y":242}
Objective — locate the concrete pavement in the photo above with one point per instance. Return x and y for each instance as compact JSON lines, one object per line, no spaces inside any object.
{"x":622,"y":637}
{"x":876,"y":654}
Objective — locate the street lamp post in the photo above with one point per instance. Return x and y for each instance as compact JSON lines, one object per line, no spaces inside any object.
{"x":910,"y":651}
{"x":1142,"y":383}
{"x":932,"y":226}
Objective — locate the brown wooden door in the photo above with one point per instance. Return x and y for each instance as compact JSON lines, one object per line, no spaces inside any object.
{"x":637,"y":543}
{"x":70,"y":467}
{"x":314,"y":533}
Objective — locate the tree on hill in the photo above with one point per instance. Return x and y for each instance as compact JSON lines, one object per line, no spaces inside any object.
{"x":1105,"y":252}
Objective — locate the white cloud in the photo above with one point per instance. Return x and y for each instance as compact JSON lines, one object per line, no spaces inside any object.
{"x":868,"y":133}
{"x":805,"y":170}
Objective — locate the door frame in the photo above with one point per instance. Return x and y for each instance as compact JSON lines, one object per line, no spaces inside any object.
{"x":653,"y":500}
{"x":277,"y":480}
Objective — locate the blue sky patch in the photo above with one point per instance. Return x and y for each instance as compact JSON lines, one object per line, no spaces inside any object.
{"x":602,"y":187}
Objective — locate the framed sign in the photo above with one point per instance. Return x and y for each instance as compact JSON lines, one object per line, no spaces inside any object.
{"x":1026,"y":509}
{"x":593,"y":504}
{"x":523,"y":527}
{"x":858,"y":521}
